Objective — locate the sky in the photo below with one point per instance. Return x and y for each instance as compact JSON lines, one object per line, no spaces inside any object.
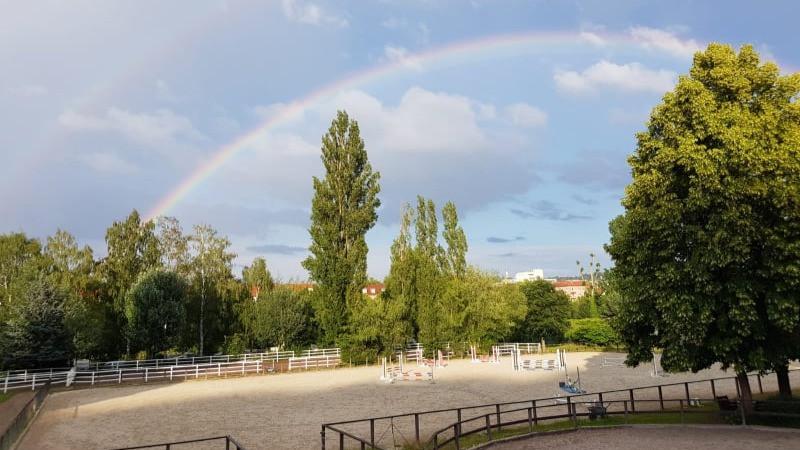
{"x":521,"y":112}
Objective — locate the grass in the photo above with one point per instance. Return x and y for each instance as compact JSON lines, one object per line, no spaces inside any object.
{"x":4,"y":397}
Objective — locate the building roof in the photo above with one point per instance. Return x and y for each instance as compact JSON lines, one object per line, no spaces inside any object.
{"x":569,"y":283}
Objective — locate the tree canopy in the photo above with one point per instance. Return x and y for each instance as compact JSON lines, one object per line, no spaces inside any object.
{"x":706,"y":252}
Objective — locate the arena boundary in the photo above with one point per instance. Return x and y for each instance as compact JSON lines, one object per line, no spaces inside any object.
{"x":530,"y":407}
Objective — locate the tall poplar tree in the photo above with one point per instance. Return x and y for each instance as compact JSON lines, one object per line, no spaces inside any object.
{"x":456,"y":255}
{"x":344,"y":208}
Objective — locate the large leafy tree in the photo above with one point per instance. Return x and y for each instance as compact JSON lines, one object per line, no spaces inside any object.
{"x":173,"y":244}
{"x":155,"y":307}
{"x":257,"y":278}
{"x":706,"y":252}
{"x":429,"y":276}
{"x":210,"y":274}
{"x":344,"y":208}
{"x":548,"y":313}
{"x":72,"y":269}
{"x":132,"y":251}
{"x":456,"y":255}
{"x":36,"y":334}
{"x":281,"y":318}
{"x":20,"y":261}
{"x":401,"y":292}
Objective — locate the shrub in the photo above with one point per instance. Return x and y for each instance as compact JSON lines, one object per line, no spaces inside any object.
{"x":591,"y":332}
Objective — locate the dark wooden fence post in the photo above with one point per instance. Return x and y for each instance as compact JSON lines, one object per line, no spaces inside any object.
{"x":488,"y":427}
{"x":499,"y":422}
{"x":760,"y":387}
{"x":322,"y":436}
{"x":530,"y":420}
{"x":535,"y":413}
{"x":372,"y":433}
{"x":633,"y":405}
{"x":713,"y":389}
{"x":661,"y":398}
{"x":456,"y":436}
{"x":416,"y":427}
{"x":686,"y":388}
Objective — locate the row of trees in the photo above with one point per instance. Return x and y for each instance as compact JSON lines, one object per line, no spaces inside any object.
{"x":162,"y":290}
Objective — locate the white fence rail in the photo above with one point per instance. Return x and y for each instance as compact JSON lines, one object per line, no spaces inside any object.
{"x":327,"y":357}
{"x":507,"y":348}
{"x":168,"y":369}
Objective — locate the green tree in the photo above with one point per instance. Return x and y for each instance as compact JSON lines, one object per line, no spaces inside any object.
{"x":210,"y":272}
{"x":456,"y":242}
{"x":591,"y":332}
{"x":429,"y":277}
{"x":706,"y":252}
{"x":132,"y":251}
{"x":72,"y":270}
{"x":547,"y":315}
{"x":156,"y":311}
{"x":20,"y":262}
{"x":280,"y":317}
{"x":400,"y":294}
{"x":36,"y":335}
{"x":173,"y":245}
{"x":492,"y":309}
{"x":257,"y":278}
{"x":344,"y":208}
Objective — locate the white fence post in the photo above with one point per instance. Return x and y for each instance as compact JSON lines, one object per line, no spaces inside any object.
{"x":243,"y":368}
{"x":5,"y":386}
{"x":119,"y":377}
{"x":170,"y":372}
{"x":219,"y":369}
{"x":26,"y":375}
{"x":145,"y":374}
{"x":92,"y":378}
{"x":33,"y":383}
{"x":196,"y":372}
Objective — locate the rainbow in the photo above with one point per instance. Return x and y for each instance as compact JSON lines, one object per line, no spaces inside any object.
{"x":490,"y":45}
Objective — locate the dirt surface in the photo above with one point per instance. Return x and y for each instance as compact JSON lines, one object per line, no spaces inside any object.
{"x":11,"y":407}
{"x":285,"y":411}
{"x":662,"y":437}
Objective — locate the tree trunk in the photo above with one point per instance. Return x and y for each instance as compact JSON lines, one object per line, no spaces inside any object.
{"x":784,"y":388}
{"x":745,"y":395}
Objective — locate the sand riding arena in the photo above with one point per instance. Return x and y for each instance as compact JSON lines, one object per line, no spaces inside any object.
{"x":286,"y":410}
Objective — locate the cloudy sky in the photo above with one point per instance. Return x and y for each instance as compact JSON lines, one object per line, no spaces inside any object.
{"x":521,"y":112}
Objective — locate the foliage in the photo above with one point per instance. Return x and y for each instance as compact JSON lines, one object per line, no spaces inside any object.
{"x":280,"y":318}
{"x":591,"y":332}
{"x":156,"y":311}
{"x":706,"y":252}
{"x":455,"y":261}
{"x":586,"y":307}
{"x":209,"y":274}
{"x":20,"y":261}
{"x":35,"y":335}
{"x":257,"y":278}
{"x":342,"y":211}
{"x":548,"y":313}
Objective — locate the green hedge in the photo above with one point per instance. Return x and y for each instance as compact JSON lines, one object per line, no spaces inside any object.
{"x":591,"y":332}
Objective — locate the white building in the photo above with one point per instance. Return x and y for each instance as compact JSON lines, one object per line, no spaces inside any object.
{"x":533,"y":274}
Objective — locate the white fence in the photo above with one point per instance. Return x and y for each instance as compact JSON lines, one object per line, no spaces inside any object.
{"x":508,"y":348}
{"x":168,"y":369}
{"x":325,"y":357}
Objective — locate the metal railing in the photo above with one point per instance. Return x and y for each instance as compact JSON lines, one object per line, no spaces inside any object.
{"x":230,"y":443}
{"x":627,"y":397}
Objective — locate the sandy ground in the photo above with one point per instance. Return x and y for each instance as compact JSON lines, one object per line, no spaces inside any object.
{"x":285,"y":411}
{"x":636,"y":438}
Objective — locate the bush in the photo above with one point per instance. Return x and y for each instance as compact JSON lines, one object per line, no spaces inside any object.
{"x":591,"y":332}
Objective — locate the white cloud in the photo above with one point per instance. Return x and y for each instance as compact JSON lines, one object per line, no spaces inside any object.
{"x":428,"y":142}
{"x":108,"y":163}
{"x":592,"y":38}
{"x":525,"y":115}
{"x":626,"y":77}
{"x":310,"y":13}
{"x":160,"y":127}
{"x":666,"y":41}
{"x":401,"y":56}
